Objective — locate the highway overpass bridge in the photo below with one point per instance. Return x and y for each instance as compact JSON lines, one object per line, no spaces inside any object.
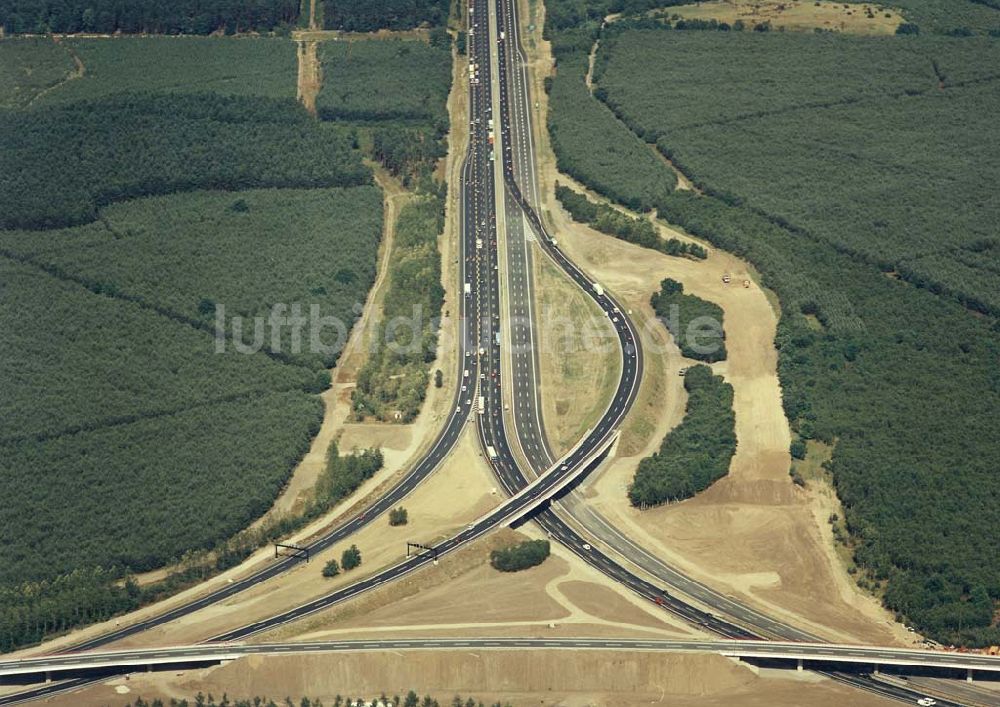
{"x":870,"y":659}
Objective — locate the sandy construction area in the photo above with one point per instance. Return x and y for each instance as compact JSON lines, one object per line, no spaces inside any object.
{"x":801,"y":15}
{"x":520,"y":678}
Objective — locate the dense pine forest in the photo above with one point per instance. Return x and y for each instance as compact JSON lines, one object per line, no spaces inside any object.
{"x":414,"y":77}
{"x":370,"y":15}
{"x":212,"y":16}
{"x":151,"y":194}
{"x":855,"y":178}
{"x":146,"y":16}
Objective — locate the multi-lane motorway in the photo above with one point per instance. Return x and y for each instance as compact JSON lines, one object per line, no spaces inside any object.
{"x":520,"y":183}
{"x":497,"y":178}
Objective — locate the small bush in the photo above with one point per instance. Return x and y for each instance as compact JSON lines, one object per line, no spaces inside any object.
{"x":398,"y":516}
{"x":351,"y":558}
{"x":332,"y":569}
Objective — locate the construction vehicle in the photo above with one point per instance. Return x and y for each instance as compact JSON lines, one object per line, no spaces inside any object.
{"x":993,"y":650}
{"x":746,"y":283}
{"x":726,"y":278}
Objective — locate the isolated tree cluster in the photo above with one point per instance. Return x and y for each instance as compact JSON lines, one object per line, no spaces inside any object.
{"x":696,"y":324}
{"x":697,"y":452}
{"x":608,"y":220}
{"x":521,"y":556}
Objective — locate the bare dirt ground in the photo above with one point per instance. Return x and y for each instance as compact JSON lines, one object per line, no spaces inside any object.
{"x":753,"y":535}
{"x":310,"y":75}
{"x":335,"y":35}
{"x":520,"y":678}
{"x":580,"y":361}
{"x":801,"y":15}
{"x":464,"y":596}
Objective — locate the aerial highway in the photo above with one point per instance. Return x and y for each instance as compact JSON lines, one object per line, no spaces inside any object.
{"x":492,"y":428}
{"x":478,"y":218}
{"x":480,"y":378}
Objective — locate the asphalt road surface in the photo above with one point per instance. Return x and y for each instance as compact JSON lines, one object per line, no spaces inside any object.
{"x":776,"y":650}
{"x":519,"y":169}
{"x":482,"y":364}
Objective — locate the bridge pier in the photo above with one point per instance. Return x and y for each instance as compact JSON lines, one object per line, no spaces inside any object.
{"x":968,"y":675}
{"x":48,"y":676}
{"x":875,"y":671}
{"x":798,"y":665}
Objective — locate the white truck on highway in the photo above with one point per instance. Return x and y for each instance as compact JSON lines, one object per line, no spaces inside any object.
{"x":468,"y":288}
{"x":482,"y":405}
{"x":491,"y":453}
{"x":598,"y":289}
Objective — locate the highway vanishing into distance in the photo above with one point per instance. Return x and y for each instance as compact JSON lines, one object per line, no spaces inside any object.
{"x":499,"y":198}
